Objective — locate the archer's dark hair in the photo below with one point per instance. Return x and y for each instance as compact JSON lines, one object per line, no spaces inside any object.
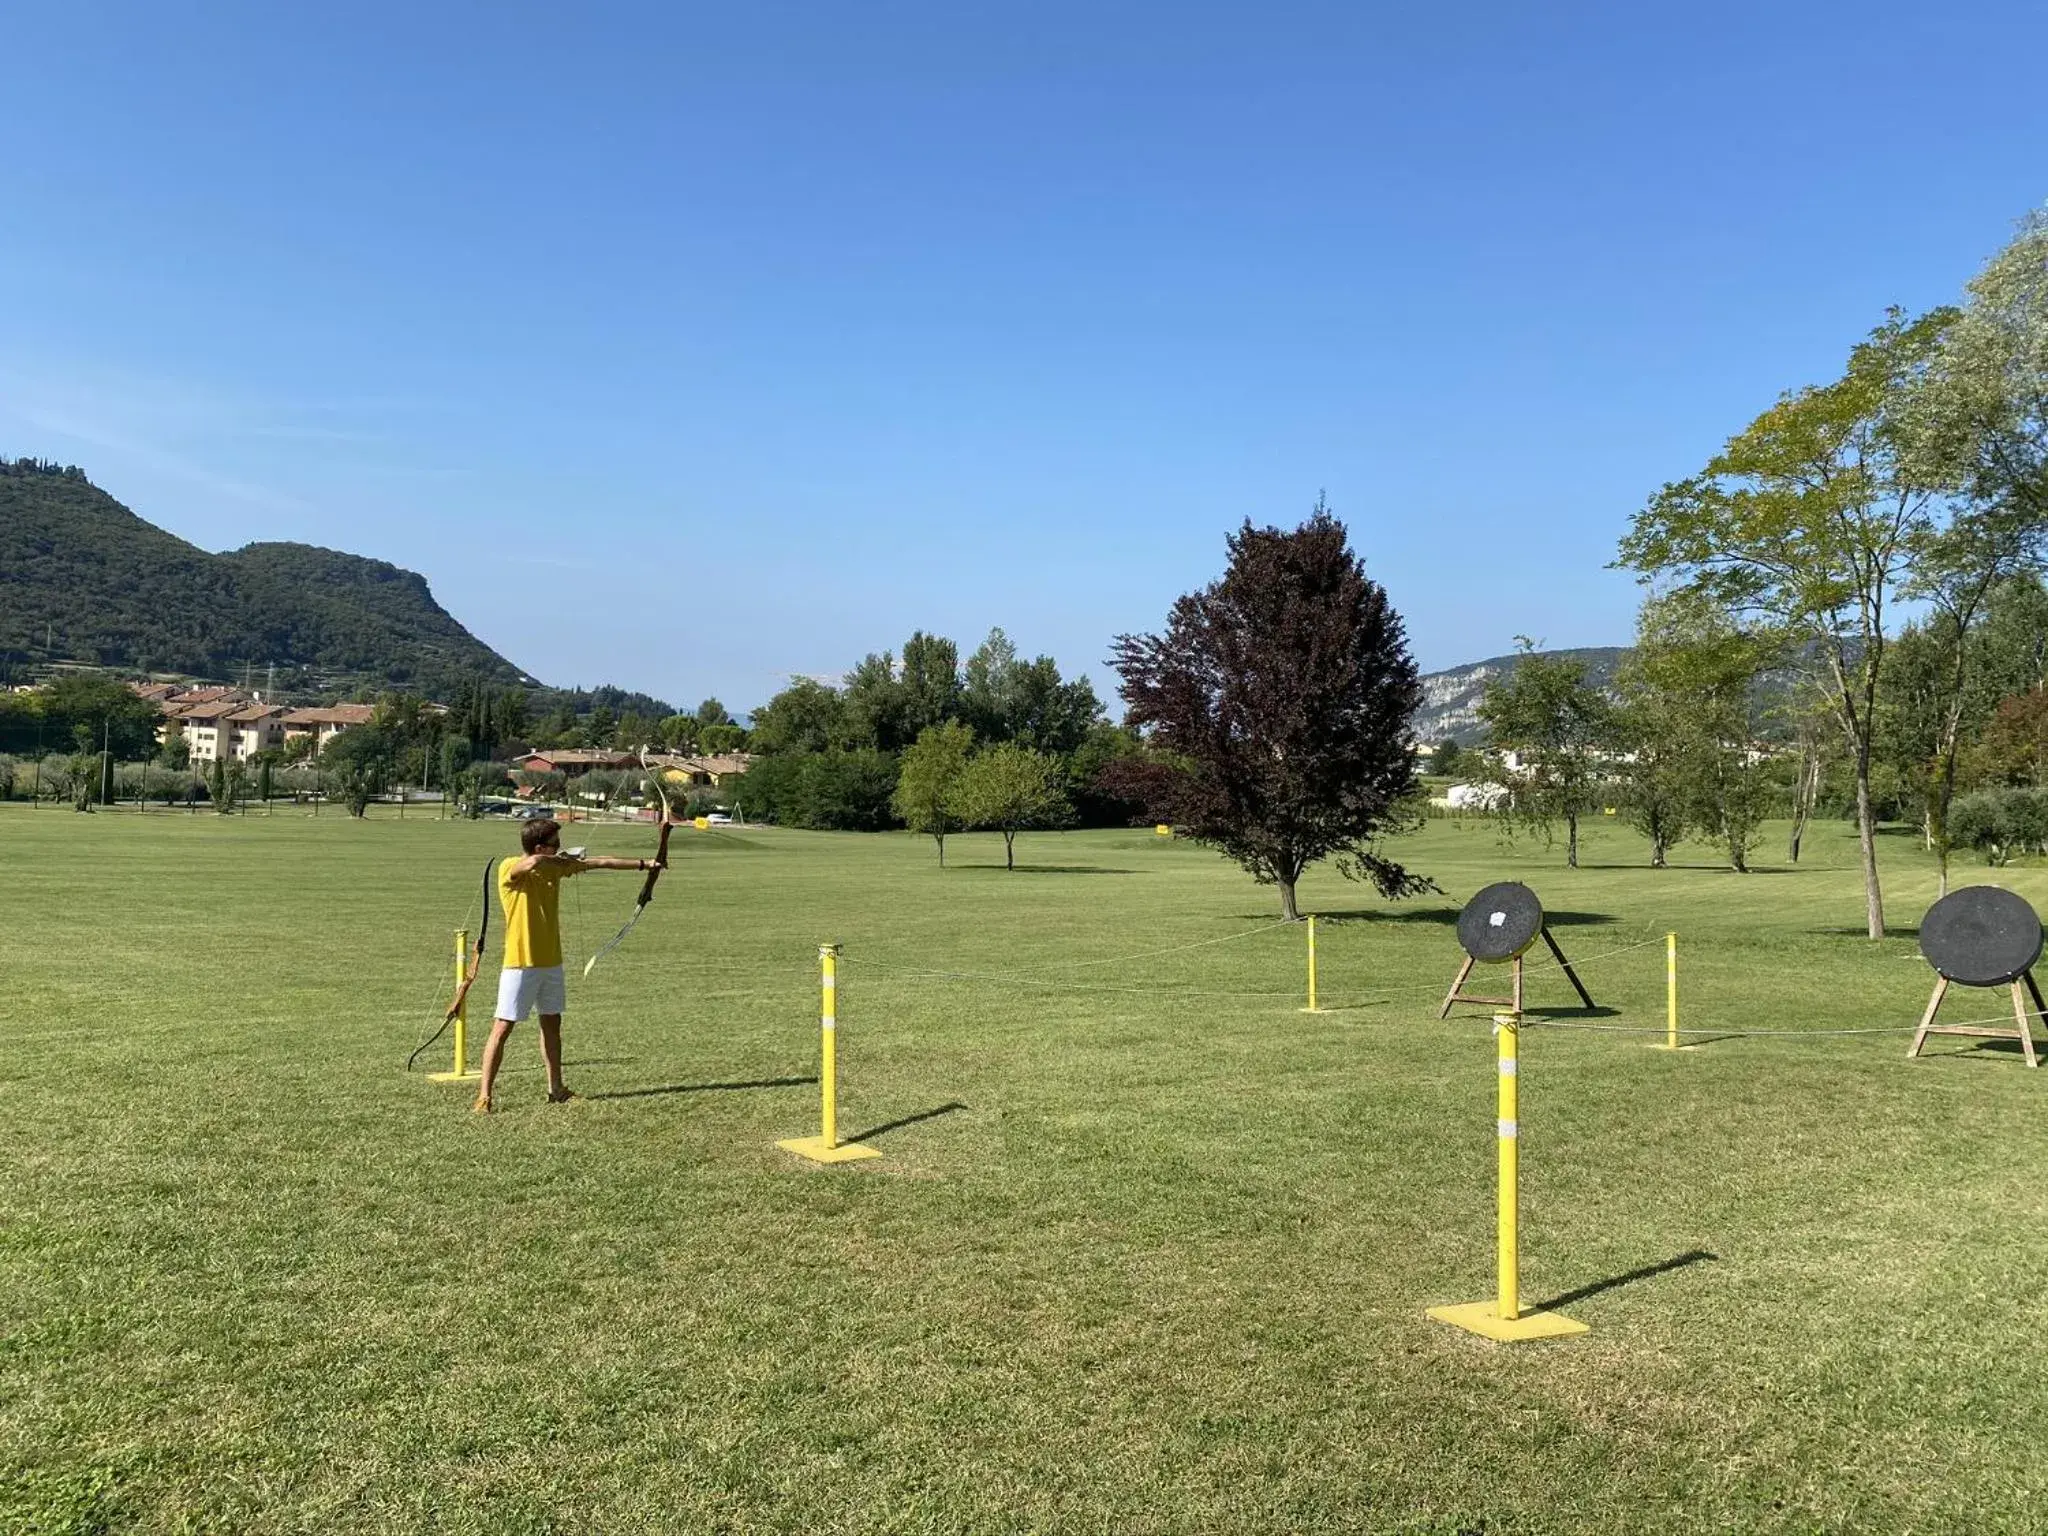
{"x":534,"y":833}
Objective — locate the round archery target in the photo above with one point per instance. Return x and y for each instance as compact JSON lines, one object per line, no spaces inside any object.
{"x":1981,"y":936}
{"x":1500,"y":922}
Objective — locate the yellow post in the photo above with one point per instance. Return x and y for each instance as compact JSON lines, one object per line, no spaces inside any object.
{"x":824,"y":1147}
{"x":828,"y":1069}
{"x":460,"y":1072}
{"x":1311,"y":1008}
{"x":1507,"y":1029}
{"x":1502,"y":1318}
{"x":1671,"y":991}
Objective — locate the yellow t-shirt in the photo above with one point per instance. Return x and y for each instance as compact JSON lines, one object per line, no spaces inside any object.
{"x":533,"y":916}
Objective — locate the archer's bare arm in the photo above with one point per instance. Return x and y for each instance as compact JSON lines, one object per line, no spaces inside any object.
{"x":569,"y":865}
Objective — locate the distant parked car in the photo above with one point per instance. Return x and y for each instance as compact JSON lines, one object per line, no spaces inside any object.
{"x":719,"y":819}
{"x":532,"y":812}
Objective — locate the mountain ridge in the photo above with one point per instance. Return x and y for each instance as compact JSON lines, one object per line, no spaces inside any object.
{"x":84,"y":575}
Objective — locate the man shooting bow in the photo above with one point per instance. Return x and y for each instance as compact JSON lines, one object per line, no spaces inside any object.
{"x":529,"y":892}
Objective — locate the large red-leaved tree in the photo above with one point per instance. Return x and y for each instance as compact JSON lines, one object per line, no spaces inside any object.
{"x":1283,"y":695}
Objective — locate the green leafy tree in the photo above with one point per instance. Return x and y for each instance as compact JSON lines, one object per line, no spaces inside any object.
{"x":929,"y":794}
{"x":1977,"y":422}
{"x":1011,"y":788}
{"x":1558,"y":726}
{"x":931,"y":681}
{"x":1448,"y":759}
{"x":678,"y":733}
{"x":807,"y":716}
{"x":217,"y":786}
{"x":1807,"y":522}
{"x":711,"y":712}
{"x":874,"y":700}
{"x":1693,"y":677}
{"x":718,"y":740}
{"x":990,"y":698}
{"x":1278,"y":704}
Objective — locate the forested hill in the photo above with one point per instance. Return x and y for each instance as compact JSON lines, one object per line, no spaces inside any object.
{"x":82,"y":578}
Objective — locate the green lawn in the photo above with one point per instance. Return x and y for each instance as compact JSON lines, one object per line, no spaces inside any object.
{"x":1148,"y":1249}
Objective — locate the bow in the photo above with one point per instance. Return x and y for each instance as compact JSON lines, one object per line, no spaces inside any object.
{"x":653,"y":873}
{"x":476,"y":958}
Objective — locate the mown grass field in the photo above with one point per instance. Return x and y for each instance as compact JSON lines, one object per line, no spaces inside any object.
{"x":1148,"y":1249}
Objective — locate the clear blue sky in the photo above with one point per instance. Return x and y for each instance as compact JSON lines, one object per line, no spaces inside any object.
{"x":694,"y":347}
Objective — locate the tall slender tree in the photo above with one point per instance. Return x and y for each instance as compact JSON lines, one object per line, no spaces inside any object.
{"x":1808,"y":521}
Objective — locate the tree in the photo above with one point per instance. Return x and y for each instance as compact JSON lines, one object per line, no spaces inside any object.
{"x":807,"y":716}
{"x":874,"y":704}
{"x":1807,"y":521}
{"x":1448,"y":759}
{"x":931,"y":681}
{"x":1280,"y":698}
{"x":1696,"y":670}
{"x":929,"y":789}
{"x":711,"y":712}
{"x":1011,"y":788}
{"x":1557,"y":725}
{"x":1978,"y":422}
{"x":989,"y":693}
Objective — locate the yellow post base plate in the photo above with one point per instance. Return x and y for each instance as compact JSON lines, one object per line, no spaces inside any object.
{"x":1484,"y":1319}
{"x":453,"y":1077}
{"x":819,"y":1151}
{"x":1311,"y":1010}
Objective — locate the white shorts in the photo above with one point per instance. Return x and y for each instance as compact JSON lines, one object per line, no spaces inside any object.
{"x":529,"y":989}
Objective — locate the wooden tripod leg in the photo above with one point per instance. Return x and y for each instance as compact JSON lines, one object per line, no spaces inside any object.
{"x":1570,"y":975}
{"x":2034,"y":987}
{"x":1518,"y":986}
{"x":1927,"y":1018}
{"x":2019,"y":1013}
{"x":1451,"y":996}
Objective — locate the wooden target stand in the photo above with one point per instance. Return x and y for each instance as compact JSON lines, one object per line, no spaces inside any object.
{"x":2022,"y":1030}
{"x":1982,"y":936}
{"x":1497,"y":927}
{"x":1457,"y":993}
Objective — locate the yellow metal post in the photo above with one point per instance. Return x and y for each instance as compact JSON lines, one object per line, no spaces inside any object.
{"x":1671,"y":990}
{"x":824,"y":1147}
{"x":828,"y":1069}
{"x":1670,"y":1042}
{"x":1507,"y":1029}
{"x":1311,"y":1008}
{"x":460,"y":1072}
{"x":1503,"y":1318}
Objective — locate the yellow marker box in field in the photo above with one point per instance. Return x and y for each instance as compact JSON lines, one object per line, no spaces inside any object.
{"x":1163,"y":830}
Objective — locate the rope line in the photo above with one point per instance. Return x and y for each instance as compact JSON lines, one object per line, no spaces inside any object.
{"x":1078,"y":965}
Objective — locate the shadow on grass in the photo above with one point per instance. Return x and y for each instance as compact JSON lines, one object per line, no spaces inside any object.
{"x":1615,"y":1282}
{"x":1984,"y":1049}
{"x":1575,"y":1011}
{"x":897,"y":1125}
{"x":1050,"y":869}
{"x":1712,"y":869}
{"x":1447,"y":917}
{"x":1862,"y":931}
{"x":648,"y":1093}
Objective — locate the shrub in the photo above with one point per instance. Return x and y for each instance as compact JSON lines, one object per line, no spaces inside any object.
{"x":2000,"y":823}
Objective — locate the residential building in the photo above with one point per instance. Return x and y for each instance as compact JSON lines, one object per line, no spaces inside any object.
{"x":255,"y":728}
{"x":326,"y":723}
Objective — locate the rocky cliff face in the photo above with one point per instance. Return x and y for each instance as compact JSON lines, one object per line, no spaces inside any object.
{"x":1450,"y":699}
